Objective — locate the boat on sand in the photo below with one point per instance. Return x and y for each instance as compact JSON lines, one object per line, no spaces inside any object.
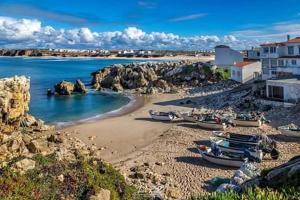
{"x":290,"y":130}
{"x":163,"y":116}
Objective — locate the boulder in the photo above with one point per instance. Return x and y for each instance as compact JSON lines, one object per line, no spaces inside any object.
{"x":23,"y":165}
{"x":79,"y":87}
{"x":101,"y":195}
{"x":39,"y":146}
{"x":64,"y":88}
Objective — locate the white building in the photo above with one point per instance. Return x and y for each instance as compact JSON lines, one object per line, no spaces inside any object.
{"x":253,"y":54}
{"x":246,"y":71}
{"x":281,"y":59}
{"x":284,"y":90}
{"x":226,"y":57}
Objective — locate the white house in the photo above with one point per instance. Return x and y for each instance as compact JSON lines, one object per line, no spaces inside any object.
{"x":253,"y":54}
{"x":284,"y":90}
{"x":281,"y":59}
{"x":246,"y":71}
{"x":226,"y":57}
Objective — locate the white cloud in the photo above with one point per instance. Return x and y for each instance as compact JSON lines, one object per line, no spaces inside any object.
{"x":28,"y":33}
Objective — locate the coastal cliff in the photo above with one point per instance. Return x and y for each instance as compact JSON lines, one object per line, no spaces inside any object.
{"x":149,"y":78}
{"x":42,"y":157}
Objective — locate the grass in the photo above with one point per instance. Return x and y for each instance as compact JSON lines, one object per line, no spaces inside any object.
{"x":254,"y":194}
{"x":82,"y":179}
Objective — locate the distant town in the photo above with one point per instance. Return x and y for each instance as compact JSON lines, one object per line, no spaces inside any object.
{"x":129,"y":53}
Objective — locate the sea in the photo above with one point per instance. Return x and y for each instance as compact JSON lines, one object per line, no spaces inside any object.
{"x":44,"y":73}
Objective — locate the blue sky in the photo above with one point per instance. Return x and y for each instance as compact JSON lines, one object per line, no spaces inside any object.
{"x":242,"y":23}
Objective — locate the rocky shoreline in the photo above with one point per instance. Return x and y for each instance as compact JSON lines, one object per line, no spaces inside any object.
{"x":154,"y":77}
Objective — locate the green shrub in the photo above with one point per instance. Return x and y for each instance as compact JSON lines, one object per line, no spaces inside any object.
{"x":80,"y":180}
{"x":222,"y":74}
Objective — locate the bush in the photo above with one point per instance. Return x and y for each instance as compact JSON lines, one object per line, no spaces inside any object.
{"x":81,"y":179}
{"x":222,"y":74}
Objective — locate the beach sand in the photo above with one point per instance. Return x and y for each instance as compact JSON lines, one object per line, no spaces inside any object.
{"x":119,"y":136}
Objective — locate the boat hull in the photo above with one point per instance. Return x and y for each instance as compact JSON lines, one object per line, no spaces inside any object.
{"x":289,"y":133}
{"x":247,"y":123}
{"x":212,"y":126}
{"x":162,"y":118}
{"x":222,"y":161}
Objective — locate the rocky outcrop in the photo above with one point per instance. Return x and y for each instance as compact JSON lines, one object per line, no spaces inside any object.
{"x":14,"y":100}
{"x":68,"y":88}
{"x":64,"y":88}
{"x":79,"y":87}
{"x":151,"y":77}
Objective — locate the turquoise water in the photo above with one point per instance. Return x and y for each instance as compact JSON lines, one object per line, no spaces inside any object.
{"x":44,"y":73}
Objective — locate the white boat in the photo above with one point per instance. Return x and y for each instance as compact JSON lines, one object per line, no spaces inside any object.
{"x":211,"y":125}
{"x":290,"y":132}
{"x":221,"y":160}
{"x":247,"y":123}
{"x":240,"y":138}
{"x":231,"y":147}
{"x":162,"y":116}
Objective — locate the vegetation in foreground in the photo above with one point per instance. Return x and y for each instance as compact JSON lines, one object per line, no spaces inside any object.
{"x":52,"y":179}
{"x":254,"y":194}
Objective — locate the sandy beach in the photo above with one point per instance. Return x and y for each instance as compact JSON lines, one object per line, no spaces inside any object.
{"x":119,"y":136}
{"x":167,"y":152}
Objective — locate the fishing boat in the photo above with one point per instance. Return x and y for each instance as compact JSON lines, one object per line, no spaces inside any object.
{"x":262,"y":142}
{"x":238,"y":147}
{"x":290,"y":131}
{"x":211,"y":124}
{"x":162,"y":116}
{"x":231,"y":146}
{"x":208,"y":154}
{"x":235,"y":137}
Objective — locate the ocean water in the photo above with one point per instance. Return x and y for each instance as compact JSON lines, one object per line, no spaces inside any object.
{"x":44,"y":73}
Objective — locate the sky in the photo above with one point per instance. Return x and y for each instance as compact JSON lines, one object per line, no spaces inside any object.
{"x":146,"y":24}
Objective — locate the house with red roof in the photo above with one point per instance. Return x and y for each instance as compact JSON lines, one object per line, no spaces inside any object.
{"x":246,"y":71}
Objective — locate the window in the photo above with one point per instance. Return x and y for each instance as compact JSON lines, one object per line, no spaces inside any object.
{"x":266,"y":49}
{"x":239,"y":73}
{"x":280,"y":63}
{"x":265,"y":62}
{"x":233,"y":72}
{"x":272,"y":49}
{"x":294,"y":62}
{"x":273,"y":62}
{"x":291,"y":50}
{"x":275,"y":92}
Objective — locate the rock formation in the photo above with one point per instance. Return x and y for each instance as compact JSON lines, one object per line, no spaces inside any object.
{"x":14,"y":99}
{"x":64,"y":88}
{"x":79,"y":87}
{"x":151,"y":77}
{"x":68,"y":88}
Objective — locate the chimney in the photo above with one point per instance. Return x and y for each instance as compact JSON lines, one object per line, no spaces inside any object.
{"x":288,"y":37}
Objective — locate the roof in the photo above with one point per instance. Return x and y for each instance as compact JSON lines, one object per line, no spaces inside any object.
{"x":244,"y":63}
{"x":295,"y":40}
